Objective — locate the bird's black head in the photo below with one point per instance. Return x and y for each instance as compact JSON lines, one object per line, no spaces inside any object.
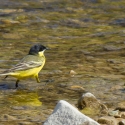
{"x":36,"y":49}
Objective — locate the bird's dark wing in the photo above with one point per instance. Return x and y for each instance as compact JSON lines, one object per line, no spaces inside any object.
{"x":24,"y":66}
{"x":28,"y":62}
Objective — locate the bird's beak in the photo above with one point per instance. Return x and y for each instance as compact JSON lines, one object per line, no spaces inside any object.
{"x":47,"y":48}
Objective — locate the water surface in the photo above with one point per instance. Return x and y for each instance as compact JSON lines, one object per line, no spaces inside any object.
{"x":86,"y":36}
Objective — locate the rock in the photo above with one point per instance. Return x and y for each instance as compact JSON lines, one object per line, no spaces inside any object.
{"x":92,"y":1}
{"x":117,"y":116}
{"x":65,"y":114}
{"x":25,"y":123}
{"x":6,"y":117}
{"x":6,"y":11}
{"x":120,"y":22}
{"x":76,"y":88}
{"x":9,"y":21}
{"x":115,"y":113}
{"x":86,"y":52}
{"x":88,"y":100}
{"x":89,"y":105}
{"x":112,"y":48}
{"x":121,"y":106}
{"x":18,"y":108}
{"x":122,"y":122}
{"x":12,"y":36}
{"x":73,"y":23}
{"x":72,"y":72}
{"x":114,"y":61}
{"x":108,"y":120}
{"x":122,"y":114}
{"x":116,"y":87}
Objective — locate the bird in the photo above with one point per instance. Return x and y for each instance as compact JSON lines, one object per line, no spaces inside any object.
{"x":29,"y":66}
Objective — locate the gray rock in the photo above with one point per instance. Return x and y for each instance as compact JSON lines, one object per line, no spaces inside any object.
{"x":115,"y":113}
{"x":65,"y":114}
{"x":112,"y":48}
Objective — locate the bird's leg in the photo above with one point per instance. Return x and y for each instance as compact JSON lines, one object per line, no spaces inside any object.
{"x":16,"y":85}
{"x":37,"y":79}
{"x":5,"y":77}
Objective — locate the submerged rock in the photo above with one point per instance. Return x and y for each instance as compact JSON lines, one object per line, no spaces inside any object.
{"x":90,"y":105}
{"x":112,"y":48}
{"x":120,"y":22}
{"x":72,"y":72}
{"x":114,"y":113}
{"x":121,"y":106}
{"x":5,"y":21}
{"x":6,"y":117}
{"x":107,"y":120}
{"x":65,"y":114}
{"x":122,"y":115}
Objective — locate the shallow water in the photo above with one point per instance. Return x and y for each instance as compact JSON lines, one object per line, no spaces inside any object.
{"x":84,"y":36}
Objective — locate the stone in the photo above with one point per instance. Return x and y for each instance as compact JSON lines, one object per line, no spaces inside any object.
{"x":122,"y":122}
{"x":89,"y":100}
{"x":24,"y":123}
{"x":114,"y":113}
{"x":72,"y":72}
{"x":9,"y":21}
{"x":6,"y":117}
{"x":89,"y":105}
{"x":116,"y":87}
{"x":112,"y":48}
{"x":121,"y":106}
{"x":122,"y":114}
{"x":108,"y":120}
{"x":12,"y":36}
{"x":18,"y":108}
{"x":66,"y":114}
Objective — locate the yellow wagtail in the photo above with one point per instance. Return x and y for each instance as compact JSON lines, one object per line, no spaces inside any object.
{"x":29,"y":66}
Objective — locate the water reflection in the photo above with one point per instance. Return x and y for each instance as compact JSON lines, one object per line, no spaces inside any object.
{"x":20,"y":98}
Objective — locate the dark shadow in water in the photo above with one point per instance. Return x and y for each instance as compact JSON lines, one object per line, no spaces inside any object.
{"x":10,"y":85}
{"x":123,"y":90}
{"x":3,"y":87}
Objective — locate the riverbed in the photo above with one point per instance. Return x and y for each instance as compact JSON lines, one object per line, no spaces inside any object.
{"x":87,"y":54}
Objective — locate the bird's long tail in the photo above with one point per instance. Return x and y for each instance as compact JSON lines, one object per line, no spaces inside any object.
{"x":4,"y":74}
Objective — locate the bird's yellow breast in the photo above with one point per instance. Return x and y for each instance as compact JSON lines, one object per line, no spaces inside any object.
{"x":29,"y":72}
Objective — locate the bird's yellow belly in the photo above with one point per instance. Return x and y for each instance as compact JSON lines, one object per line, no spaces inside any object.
{"x":27,"y":73}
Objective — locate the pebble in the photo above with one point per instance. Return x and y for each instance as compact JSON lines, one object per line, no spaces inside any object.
{"x":25,"y":123}
{"x":113,"y":113}
{"x":121,"y":106}
{"x":6,"y":117}
{"x":112,"y":48}
{"x":72,"y":72}
{"x":19,"y":108}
